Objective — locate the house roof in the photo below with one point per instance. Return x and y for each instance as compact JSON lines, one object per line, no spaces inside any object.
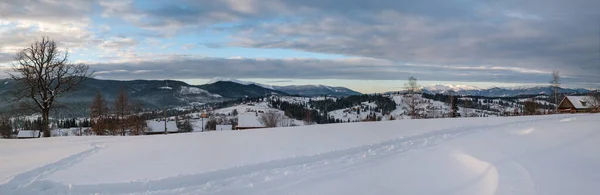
{"x":248,"y":119}
{"x":159,"y":126}
{"x":28,"y":133}
{"x":223,"y":127}
{"x":578,"y":101}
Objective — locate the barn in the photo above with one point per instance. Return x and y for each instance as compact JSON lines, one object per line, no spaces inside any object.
{"x":576,"y":104}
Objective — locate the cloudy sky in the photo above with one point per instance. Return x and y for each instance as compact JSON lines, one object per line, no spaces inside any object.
{"x":370,"y":46}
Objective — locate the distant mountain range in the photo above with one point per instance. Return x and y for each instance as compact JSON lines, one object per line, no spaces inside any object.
{"x":497,"y":91}
{"x":158,"y":93}
{"x":302,"y":90}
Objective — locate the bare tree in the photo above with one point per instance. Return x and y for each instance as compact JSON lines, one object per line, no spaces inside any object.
{"x":43,"y":73}
{"x":593,"y":101}
{"x":99,"y":114}
{"x":555,"y":86}
{"x":308,"y":119}
{"x":135,"y":121}
{"x":414,"y":93}
{"x":530,"y":107}
{"x":122,"y":109}
{"x":5,"y":127}
{"x":270,"y":118}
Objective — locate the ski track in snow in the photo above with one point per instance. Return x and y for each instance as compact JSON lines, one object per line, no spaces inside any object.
{"x":271,"y":175}
{"x":29,"y":182}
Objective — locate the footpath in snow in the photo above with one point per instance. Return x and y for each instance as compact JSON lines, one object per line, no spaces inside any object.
{"x":554,"y":154}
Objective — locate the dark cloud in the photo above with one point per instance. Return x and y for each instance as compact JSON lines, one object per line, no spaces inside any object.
{"x":368,"y":69}
{"x":539,"y":35}
{"x":451,"y":40}
{"x":281,"y":81}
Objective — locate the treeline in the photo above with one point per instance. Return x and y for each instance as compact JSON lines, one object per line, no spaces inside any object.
{"x":384,"y":104}
{"x":301,"y":111}
{"x":483,"y":103}
{"x":121,"y":119}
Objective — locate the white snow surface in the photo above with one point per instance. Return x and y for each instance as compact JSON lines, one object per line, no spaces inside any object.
{"x":552,"y":154}
{"x":450,"y":87}
{"x":248,"y":119}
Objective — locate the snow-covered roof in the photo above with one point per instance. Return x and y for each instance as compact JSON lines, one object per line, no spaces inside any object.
{"x":159,"y":126}
{"x":223,"y":127}
{"x":579,"y":101}
{"x":248,"y":119}
{"x":28,"y":133}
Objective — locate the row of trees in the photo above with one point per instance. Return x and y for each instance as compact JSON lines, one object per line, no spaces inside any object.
{"x":383,"y":103}
{"x":123,"y":119}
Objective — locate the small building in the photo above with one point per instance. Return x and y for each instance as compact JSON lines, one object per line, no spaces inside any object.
{"x":248,"y":120}
{"x":158,"y":127}
{"x":224,"y":128}
{"x":28,"y":134}
{"x":576,"y":104}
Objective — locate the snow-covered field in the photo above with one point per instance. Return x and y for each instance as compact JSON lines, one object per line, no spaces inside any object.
{"x":551,"y":154}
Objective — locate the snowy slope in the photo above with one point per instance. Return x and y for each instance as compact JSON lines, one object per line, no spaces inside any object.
{"x":552,"y":154}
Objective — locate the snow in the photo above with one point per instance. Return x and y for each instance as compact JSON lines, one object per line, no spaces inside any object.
{"x":28,"y":134}
{"x":192,"y":91}
{"x":166,"y":87}
{"x":467,"y":156}
{"x":450,"y":87}
{"x":224,"y":127}
{"x":243,"y":108}
{"x":159,"y":126}
{"x":248,"y":119}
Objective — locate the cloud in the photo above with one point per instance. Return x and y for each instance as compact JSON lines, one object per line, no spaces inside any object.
{"x":361,"y":69}
{"x":521,"y":36}
{"x":281,"y":81}
{"x":455,"y":40}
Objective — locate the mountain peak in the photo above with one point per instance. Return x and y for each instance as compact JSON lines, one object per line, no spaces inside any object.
{"x":217,"y":79}
{"x":448,"y":87}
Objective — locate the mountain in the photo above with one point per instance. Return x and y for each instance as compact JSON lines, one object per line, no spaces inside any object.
{"x":500,"y":92}
{"x":302,"y":90}
{"x":443,"y":88}
{"x":151,"y":93}
{"x":316,"y":90}
{"x":159,"y":93}
{"x":230,"y":89}
{"x":222,"y":79}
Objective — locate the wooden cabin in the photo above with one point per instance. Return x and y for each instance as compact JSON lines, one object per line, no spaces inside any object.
{"x":576,"y":104}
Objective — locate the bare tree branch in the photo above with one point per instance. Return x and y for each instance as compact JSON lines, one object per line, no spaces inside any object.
{"x":43,"y":73}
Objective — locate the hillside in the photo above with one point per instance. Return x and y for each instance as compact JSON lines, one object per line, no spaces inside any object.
{"x":154,"y":93}
{"x":474,"y":156}
{"x":170,"y":93}
{"x":316,"y":90}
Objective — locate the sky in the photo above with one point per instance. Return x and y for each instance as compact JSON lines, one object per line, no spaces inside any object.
{"x":368,"y":46}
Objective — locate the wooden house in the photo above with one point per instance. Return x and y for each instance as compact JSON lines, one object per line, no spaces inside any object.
{"x":576,"y":104}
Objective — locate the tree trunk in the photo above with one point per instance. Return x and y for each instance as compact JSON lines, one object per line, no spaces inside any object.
{"x":45,"y":123}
